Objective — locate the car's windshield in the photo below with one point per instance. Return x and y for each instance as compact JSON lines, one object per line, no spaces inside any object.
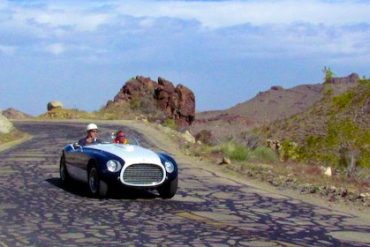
{"x":110,"y":138}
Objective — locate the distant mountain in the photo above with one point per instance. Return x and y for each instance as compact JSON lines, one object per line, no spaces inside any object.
{"x":12,"y":113}
{"x":278,"y":103}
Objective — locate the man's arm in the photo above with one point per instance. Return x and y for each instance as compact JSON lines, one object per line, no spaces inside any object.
{"x":82,"y":142}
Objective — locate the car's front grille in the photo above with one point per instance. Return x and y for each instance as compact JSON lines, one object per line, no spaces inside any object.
{"x":143,"y":174}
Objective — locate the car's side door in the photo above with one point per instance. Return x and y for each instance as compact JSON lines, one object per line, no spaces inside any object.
{"x":77,"y":161}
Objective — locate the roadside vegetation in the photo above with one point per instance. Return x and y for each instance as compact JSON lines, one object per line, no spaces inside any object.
{"x":325,"y":150}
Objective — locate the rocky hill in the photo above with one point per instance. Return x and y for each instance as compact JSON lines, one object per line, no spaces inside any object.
{"x":266,"y":107}
{"x":158,"y":100}
{"x":12,"y":113}
{"x":335,"y":130}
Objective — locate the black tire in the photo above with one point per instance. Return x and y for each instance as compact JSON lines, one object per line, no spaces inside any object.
{"x":63,"y":173}
{"x":97,"y":187}
{"x":168,"y":190}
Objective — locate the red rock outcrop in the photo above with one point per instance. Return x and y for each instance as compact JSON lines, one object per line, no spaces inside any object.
{"x":177,"y":103}
{"x":352,"y":78}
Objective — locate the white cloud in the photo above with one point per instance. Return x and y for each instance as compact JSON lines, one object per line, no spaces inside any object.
{"x":88,"y":16}
{"x":7,"y":50}
{"x":218,"y":14}
{"x":81,"y":20}
{"x":56,"y":49}
{"x":230,"y":28}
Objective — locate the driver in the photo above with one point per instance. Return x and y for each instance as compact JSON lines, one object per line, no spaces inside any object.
{"x":91,"y":135}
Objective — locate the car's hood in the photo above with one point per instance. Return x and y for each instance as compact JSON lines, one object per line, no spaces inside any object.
{"x":131,"y":154}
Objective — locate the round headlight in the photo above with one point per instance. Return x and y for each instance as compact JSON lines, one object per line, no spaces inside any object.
{"x":169,"y":166}
{"x":113,"y":165}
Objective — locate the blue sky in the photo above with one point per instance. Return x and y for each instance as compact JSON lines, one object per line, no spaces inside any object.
{"x":82,"y":52}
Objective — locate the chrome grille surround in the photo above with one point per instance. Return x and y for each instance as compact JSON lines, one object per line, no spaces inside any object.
{"x":143,"y":174}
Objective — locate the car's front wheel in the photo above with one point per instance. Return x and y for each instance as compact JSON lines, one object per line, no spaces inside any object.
{"x":97,"y":187}
{"x":63,"y":173}
{"x":168,"y":190}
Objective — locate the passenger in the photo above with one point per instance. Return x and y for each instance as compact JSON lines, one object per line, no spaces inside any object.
{"x":120,"y":138}
{"x":91,"y":135}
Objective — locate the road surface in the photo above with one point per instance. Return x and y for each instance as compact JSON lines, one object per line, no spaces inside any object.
{"x":208,"y":210}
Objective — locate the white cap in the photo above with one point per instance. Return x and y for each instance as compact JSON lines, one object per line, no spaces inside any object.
{"x":91,"y":126}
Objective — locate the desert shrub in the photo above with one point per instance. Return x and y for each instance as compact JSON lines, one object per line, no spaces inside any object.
{"x":343,"y":141}
{"x":135,"y":102}
{"x":235,"y":151}
{"x":59,"y":113}
{"x":170,"y":123}
{"x":343,"y":100}
{"x":201,"y":150}
{"x":365,"y":82}
{"x":328,"y":74}
{"x":264,"y":154}
{"x":289,"y":151}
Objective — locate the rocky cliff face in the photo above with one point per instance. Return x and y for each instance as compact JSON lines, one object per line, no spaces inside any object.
{"x":176,"y":102}
{"x":5,"y":125}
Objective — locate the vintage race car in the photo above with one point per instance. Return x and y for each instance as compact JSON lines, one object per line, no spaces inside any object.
{"x":108,"y":164}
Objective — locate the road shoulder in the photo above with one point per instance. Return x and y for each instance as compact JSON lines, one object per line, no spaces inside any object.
{"x":11,"y":144}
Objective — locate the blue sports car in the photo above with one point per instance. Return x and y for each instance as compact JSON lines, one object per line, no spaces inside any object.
{"x":108,"y":164}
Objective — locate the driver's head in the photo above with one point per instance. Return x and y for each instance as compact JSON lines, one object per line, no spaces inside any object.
{"x":92,"y":130}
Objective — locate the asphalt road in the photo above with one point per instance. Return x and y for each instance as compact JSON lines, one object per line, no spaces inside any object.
{"x":208,"y":210}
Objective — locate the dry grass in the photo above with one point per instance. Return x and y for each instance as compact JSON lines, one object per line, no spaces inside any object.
{"x":12,"y":136}
{"x":67,"y":114}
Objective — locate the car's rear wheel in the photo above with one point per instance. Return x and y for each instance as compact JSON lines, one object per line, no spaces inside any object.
{"x":168,"y":190}
{"x":63,"y":173}
{"x":97,"y":187}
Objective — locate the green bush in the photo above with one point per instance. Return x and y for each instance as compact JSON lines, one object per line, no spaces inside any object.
{"x":264,"y":154}
{"x":135,"y":102}
{"x":328,"y":74}
{"x":201,"y":150}
{"x":289,"y":151}
{"x":344,"y":139}
{"x":343,"y":100}
{"x":235,"y":151}
{"x":170,"y":123}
